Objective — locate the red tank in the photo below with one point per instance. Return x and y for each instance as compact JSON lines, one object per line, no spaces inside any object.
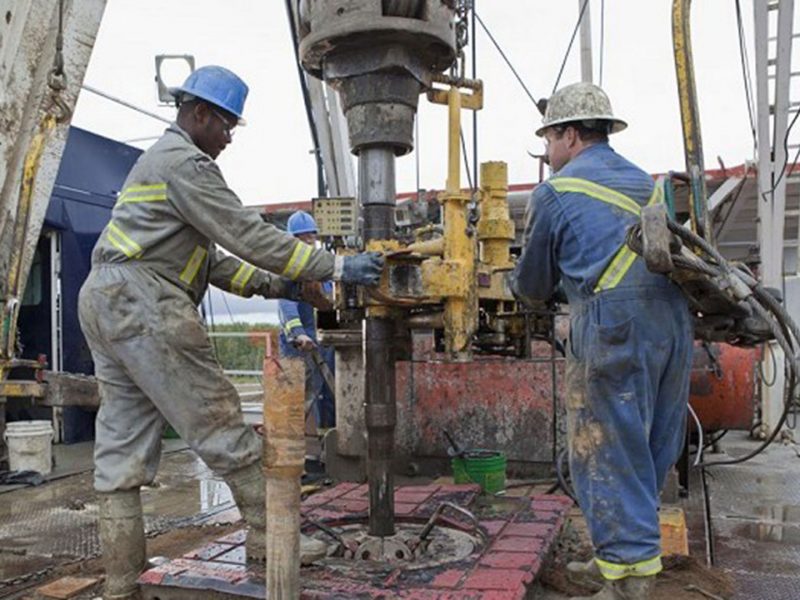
{"x":723,"y":385}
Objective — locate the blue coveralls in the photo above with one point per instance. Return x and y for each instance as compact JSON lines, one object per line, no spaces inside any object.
{"x":297,"y":318}
{"x":629,"y":354}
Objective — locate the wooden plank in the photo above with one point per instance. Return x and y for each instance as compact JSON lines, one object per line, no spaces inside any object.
{"x":67,"y":587}
{"x":22,"y":389}
{"x":67,"y":389}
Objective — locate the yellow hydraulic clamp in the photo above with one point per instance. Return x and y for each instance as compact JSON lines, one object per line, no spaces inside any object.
{"x":462,"y":269}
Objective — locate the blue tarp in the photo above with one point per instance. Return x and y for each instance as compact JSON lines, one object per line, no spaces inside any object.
{"x":92,"y":172}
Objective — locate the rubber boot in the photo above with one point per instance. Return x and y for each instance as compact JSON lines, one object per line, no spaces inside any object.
{"x":585,"y":574}
{"x":630,"y":588}
{"x":121,"y":529}
{"x":249,"y":491}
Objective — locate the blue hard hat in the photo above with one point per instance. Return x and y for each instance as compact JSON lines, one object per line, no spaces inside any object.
{"x":301,"y":222}
{"x":216,"y":85}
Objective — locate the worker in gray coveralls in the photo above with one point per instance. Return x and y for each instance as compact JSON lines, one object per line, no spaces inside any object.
{"x":138,"y":310}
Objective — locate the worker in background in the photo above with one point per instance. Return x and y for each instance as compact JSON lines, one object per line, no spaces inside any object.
{"x":138,"y":310}
{"x":630,"y":343}
{"x":298,"y":338}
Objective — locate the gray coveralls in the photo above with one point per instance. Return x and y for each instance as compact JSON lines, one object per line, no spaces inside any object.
{"x":138,"y":310}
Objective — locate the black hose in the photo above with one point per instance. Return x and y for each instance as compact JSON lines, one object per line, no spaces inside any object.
{"x":714,"y":440}
{"x":765,"y":306}
{"x":762,"y":302}
{"x":562,"y":479}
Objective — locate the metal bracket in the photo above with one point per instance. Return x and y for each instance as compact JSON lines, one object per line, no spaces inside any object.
{"x":656,"y":239}
{"x":473,"y":101}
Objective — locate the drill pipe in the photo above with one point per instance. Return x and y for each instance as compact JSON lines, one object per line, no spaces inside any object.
{"x":377,"y":195}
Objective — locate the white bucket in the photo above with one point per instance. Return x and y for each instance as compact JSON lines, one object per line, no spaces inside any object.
{"x":30,"y":446}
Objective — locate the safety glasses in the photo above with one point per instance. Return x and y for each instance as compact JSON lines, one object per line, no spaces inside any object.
{"x":227,"y":128}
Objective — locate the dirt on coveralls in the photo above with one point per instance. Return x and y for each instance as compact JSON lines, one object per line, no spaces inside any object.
{"x":683,"y":578}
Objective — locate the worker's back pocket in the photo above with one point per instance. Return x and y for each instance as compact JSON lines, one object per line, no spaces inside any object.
{"x":120,"y":313}
{"x":608,"y":354}
{"x":181,"y":325}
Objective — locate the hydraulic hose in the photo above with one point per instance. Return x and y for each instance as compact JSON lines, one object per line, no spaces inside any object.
{"x":761,"y":301}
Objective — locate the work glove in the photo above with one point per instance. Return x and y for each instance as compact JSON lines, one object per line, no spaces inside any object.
{"x":363,"y":269}
{"x":303,"y":343}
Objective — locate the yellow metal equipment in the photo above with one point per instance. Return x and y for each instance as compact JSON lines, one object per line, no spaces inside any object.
{"x":460,"y":272}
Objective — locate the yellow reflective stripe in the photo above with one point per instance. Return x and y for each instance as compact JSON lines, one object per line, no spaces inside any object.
{"x":241,"y":277}
{"x":132,"y":189}
{"x":657,"y":197}
{"x":596,"y":191}
{"x":122,"y":242}
{"x":615,"y":571}
{"x":193,"y":266}
{"x":292,"y":324}
{"x":156,"y":192}
{"x":617,"y":269}
{"x":151,"y":198}
{"x":624,"y":258}
{"x":298,"y":260}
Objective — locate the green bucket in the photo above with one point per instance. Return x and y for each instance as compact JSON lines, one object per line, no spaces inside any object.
{"x":487,"y":468}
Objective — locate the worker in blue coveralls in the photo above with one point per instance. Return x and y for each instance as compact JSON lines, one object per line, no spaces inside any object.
{"x":299,"y":333}
{"x":629,"y":351}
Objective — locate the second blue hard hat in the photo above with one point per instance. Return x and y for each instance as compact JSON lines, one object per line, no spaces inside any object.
{"x":301,"y":222}
{"x":217,"y":85}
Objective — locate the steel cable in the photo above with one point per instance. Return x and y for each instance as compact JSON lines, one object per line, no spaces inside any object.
{"x":505,"y":58}
{"x":569,"y":47}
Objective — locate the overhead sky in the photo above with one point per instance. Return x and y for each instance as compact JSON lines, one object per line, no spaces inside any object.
{"x":270,"y":159}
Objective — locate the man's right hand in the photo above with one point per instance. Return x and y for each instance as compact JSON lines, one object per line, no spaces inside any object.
{"x":363,"y":269}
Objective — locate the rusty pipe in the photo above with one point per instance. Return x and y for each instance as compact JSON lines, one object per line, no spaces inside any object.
{"x":426,"y":321}
{"x":284,"y":460}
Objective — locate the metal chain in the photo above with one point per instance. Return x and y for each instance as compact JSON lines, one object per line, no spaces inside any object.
{"x":462,"y":9}
{"x":57,"y":78}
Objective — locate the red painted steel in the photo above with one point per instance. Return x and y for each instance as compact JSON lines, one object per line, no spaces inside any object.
{"x":501,"y":404}
{"x":723,"y":389}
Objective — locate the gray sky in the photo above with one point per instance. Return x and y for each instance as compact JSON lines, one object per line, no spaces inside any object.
{"x":269,"y":160}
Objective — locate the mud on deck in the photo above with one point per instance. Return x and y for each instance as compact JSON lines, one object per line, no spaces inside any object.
{"x":519,"y":535}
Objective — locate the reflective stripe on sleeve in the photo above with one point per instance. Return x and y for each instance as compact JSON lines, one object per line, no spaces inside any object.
{"x":120,"y":240}
{"x":298,"y":260}
{"x":196,"y":261}
{"x":156,"y":192}
{"x":645,"y":568}
{"x":241,"y":277}
{"x":291,"y":325}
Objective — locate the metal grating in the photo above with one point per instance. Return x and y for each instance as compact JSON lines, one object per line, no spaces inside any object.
{"x":755,"y":510}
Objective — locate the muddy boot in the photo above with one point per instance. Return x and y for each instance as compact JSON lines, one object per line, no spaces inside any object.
{"x":630,"y":588}
{"x":121,"y":529}
{"x":249,"y":489}
{"x":585,"y":574}
{"x":311,"y":549}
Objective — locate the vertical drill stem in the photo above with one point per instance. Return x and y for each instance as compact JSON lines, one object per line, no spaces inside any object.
{"x":377,"y":194}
